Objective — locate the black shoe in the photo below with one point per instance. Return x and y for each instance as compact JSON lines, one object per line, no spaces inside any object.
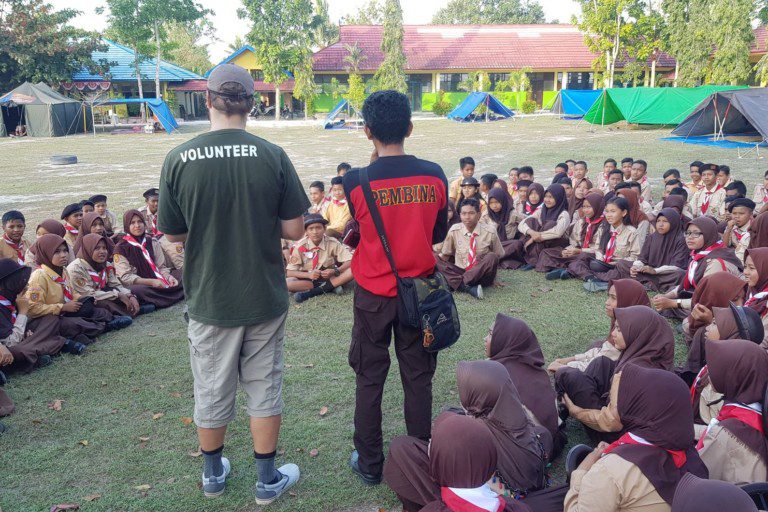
{"x":300,"y":297}
{"x":575,"y":457}
{"x":3,"y":379}
{"x":564,"y":275}
{"x":146,"y":308}
{"x":117,"y":323}
{"x":526,"y":267}
{"x":553,"y":275}
{"x":44,"y":360}
{"x":366,"y":478}
{"x":73,"y":347}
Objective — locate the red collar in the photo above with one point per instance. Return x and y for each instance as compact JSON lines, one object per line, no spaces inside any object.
{"x":678,"y":456}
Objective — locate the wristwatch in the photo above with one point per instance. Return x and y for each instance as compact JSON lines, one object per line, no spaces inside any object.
{"x":679,"y":303}
{"x":336,"y":271}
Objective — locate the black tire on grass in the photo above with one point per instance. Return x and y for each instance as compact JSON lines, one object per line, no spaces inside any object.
{"x":63,"y":159}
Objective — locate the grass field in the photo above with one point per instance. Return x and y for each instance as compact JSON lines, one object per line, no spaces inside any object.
{"x":121,"y":440}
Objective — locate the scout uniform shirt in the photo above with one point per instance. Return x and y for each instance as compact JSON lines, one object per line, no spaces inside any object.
{"x":173,"y":251}
{"x":458,"y":241}
{"x":46,"y":296}
{"x":740,"y":240}
{"x":329,"y":253}
{"x":86,"y":282}
{"x":320,"y":208}
{"x":15,"y":252}
{"x":337,"y":214}
{"x":626,"y":247}
{"x":645,"y":189}
{"x":127,"y":272}
{"x":557,"y":231}
{"x":71,"y":235}
{"x":729,"y":459}
{"x":694,"y":187}
{"x":455,"y":189}
{"x":578,"y":232}
{"x":110,"y":223}
{"x":709,"y":202}
{"x":760,"y":197}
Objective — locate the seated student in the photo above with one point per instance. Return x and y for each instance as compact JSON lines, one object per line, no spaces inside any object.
{"x":734,"y":447}
{"x":678,"y":199}
{"x":525,"y":173}
{"x":626,"y":168}
{"x":72,"y":215}
{"x":735,"y":190}
{"x":644,"y":338}
{"x":618,"y":241}
{"x":640,"y":175}
{"x":512,"y":179}
{"x":561,"y":170}
{"x":337,"y":214}
{"x":51,"y":226}
{"x":49,"y":293}
{"x":641,"y":470}
{"x":669,"y":186}
{"x":580,"y":172}
{"x":470,"y":189}
{"x":696,"y":183}
{"x":663,"y":258}
{"x":173,"y":251}
{"x":24,"y":344}
{"x":449,"y":473}
{"x":512,"y":343}
{"x":694,"y":494}
{"x":756,"y":274}
{"x":708,"y":255}
{"x":671,"y":174}
{"x":475,"y":249}
{"x":615,"y":177}
{"x":546,"y":228}
{"x":453,"y":219}
{"x":502,"y":216}
{"x":586,"y":232}
{"x":13,"y":244}
{"x":342,"y":169}
{"x":486,"y":184}
{"x":565,"y":182}
{"x":724,"y":176}
{"x":571,"y":167}
{"x":640,"y":211}
{"x":467,"y":169}
{"x":92,"y":275}
{"x":760,"y":195}
{"x":109,"y":218}
{"x":317,"y":197}
{"x":88,"y":206}
{"x":622,"y":293}
{"x":92,"y":224}
{"x":140,"y":265}
{"x":608,"y":166}
{"x":534,"y":195}
{"x":710,"y":200}
{"x":318,"y":264}
{"x":576,"y":201}
{"x":736,"y":233}
{"x":521,"y":198}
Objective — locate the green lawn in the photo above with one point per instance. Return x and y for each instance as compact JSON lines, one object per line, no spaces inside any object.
{"x":104,"y":440}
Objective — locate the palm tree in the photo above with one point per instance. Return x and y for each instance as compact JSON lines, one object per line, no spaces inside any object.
{"x":355,"y":57}
{"x":761,"y":70}
{"x":236,"y":44}
{"x":518,"y":80}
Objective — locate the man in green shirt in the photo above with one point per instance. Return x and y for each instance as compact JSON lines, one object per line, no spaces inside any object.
{"x":231,"y":196}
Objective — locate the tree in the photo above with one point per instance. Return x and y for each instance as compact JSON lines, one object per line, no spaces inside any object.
{"x":235,"y":45}
{"x":475,"y":82}
{"x":184,"y":48}
{"x":38,"y":43}
{"x":645,"y":40}
{"x":761,"y":70}
{"x":371,"y":13}
{"x":461,"y":12}
{"x":325,"y":32}
{"x":518,"y":81}
{"x":355,"y":57}
{"x":686,"y":33}
{"x":336,"y":89}
{"x":604,"y":24}
{"x":305,"y":88}
{"x":280,"y":34}
{"x":391,"y":73}
{"x":355,"y":92}
{"x":731,"y":37}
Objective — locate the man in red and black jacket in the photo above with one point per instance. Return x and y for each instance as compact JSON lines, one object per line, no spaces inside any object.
{"x":412,"y":198}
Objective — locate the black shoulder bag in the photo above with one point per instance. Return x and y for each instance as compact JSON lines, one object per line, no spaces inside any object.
{"x":425,"y":303}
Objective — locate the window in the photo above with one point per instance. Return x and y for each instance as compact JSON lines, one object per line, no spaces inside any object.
{"x":449,"y":82}
{"x":495,"y":78}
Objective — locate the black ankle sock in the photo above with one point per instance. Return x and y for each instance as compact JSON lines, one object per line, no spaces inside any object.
{"x":265,"y":468}
{"x":327,"y":287}
{"x":212,"y":465}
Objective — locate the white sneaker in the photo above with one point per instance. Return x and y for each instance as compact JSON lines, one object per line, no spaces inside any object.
{"x":214,"y":486}
{"x":338,"y":290}
{"x":266,"y":494}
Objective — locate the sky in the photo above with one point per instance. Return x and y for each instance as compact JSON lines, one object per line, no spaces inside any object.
{"x":228,"y":25}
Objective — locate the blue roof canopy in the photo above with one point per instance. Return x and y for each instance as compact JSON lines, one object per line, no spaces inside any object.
{"x":576,"y":103}
{"x":474,"y":100}
{"x":157,"y":106}
{"x":123,"y":69}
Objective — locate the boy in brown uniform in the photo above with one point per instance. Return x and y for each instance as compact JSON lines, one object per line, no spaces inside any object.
{"x":173,"y":252}
{"x":318,"y":264}
{"x":13,"y":245}
{"x":100,"y":206}
{"x":475,"y":249}
{"x":72,"y":215}
{"x":337,"y":214}
{"x":467,"y":166}
{"x":710,"y":200}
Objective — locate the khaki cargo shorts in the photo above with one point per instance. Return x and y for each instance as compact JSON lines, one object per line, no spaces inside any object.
{"x":220,"y":356}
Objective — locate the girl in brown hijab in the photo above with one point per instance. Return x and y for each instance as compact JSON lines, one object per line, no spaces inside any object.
{"x":580,"y":193}
{"x":140,"y":265}
{"x":48,"y":226}
{"x":512,"y":343}
{"x":735,"y":447}
{"x":756,"y":273}
{"x":50,"y":293}
{"x":758,"y":231}
{"x":637,"y":218}
{"x":694,"y":494}
{"x":546,"y":228}
{"x":679,"y":204}
{"x":641,"y":470}
{"x":451,"y":473}
{"x":645,"y":339}
{"x":488,"y":394}
{"x":92,"y":224}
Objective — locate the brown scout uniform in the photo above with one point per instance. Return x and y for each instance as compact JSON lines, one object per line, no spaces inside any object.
{"x":46,"y":297}
{"x":83,"y":286}
{"x":332,"y":253}
{"x":173,"y":251}
{"x":730,"y":460}
{"x":6,"y":251}
{"x":716,"y":207}
{"x":457,"y":243}
{"x":126,"y":272}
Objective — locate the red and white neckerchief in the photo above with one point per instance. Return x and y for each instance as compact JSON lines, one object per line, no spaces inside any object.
{"x":340,"y":202}
{"x":530,"y":209}
{"x":740,"y":233}
{"x":610,"y":247}
{"x":749,"y":414}
{"x":10,"y":307}
{"x":143,"y":247}
{"x":482,"y":499}
{"x":472,"y":254}
{"x":689,"y":282}
{"x":754,"y":298}
{"x":152,"y":218}
{"x":18,"y":247}
{"x":72,"y":230}
{"x":702,"y":373}
{"x":313,"y":254}
{"x":678,"y":456}
{"x":591,"y":224}
{"x":99,"y":278}
{"x":64,"y":288}
{"x":707,"y":196}
{"x":765,"y":195}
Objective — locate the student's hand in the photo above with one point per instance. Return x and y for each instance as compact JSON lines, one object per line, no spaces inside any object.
{"x":593,"y":457}
{"x":71,"y":307}
{"x":172,"y":281}
{"x":327,"y":274}
{"x":633,"y":271}
{"x":572,"y":408}
{"x":22,"y":304}
{"x":661,"y":303}
{"x":156,"y":283}
{"x":134,"y":307}
{"x":6,"y":357}
{"x":554,"y":366}
{"x":647,"y":269}
{"x":731,"y":223}
{"x":702,"y":313}
{"x":314,"y":274}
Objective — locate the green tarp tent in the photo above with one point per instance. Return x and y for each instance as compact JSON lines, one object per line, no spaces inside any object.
{"x":44,"y":112}
{"x":650,"y":105}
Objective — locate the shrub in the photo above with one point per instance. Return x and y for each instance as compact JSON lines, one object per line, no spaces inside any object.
{"x":529,"y":107}
{"x":441,"y":107}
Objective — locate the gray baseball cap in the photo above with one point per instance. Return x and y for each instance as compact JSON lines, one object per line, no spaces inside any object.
{"x":230,"y":73}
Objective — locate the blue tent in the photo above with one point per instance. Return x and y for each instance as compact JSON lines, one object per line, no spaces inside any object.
{"x":157,"y":106}
{"x":331,"y":123}
{"x":464,"y":111}
{"x":575,"y":102}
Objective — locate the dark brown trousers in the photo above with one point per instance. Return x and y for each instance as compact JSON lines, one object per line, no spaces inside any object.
{"x":375,"y":319}
{"x":42,"y":339}
{"x":483,"y":273}
{"x":406,"y":472}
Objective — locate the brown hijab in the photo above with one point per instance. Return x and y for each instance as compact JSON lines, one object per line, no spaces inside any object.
{"x":487,"y":393}
{"x":85,"y":229}
{"x":47,"y":245}
{"x":88,"y":245}
{"x":737,"y":369}
{"x":636,"y":215}
{"x":708,"y":228}
{"x":628,"y":293}
{"x":759,"y":257}
{"x":726,"y":323}
{"x":574,"y":204}
{"x":53,"y":227}
{"x":514,"y":345}
{"x":677,"y":203}
{"x":716,"y":290}
{"x":655,"y":405}
{"x":14,"y":282}
{"x":134,"y":254}
{"x":667,"y":249}
{"x":758,"y":231}
{"x":694,"y":494}
{"x":648,"y":337}
{"x":595,"y":200}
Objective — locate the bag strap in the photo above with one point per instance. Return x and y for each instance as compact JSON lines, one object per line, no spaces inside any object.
{"x":365,"y":184}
